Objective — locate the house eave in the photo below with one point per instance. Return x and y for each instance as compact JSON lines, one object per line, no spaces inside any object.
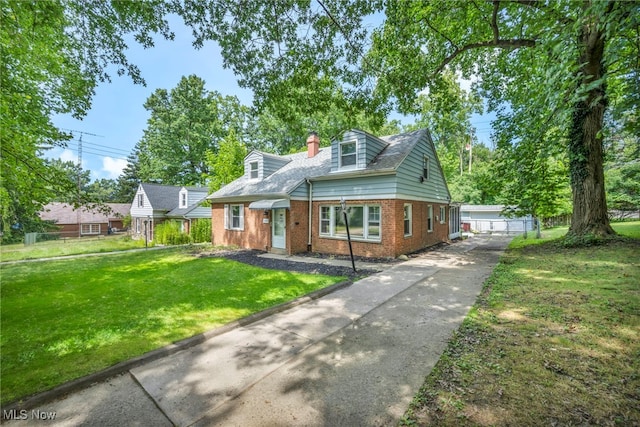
{"x":248,"y":197}
{"x":354,"y":173}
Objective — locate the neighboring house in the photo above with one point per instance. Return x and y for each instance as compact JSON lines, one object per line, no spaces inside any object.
{"x":394,"y":189}
{"x":489,"y":219}
{"x":154,"y":204}
{"x":84,"y":221}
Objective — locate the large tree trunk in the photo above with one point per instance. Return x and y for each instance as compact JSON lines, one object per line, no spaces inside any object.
{"x":585,"y":145}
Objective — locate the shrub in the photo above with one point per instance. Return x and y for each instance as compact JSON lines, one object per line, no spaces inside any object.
{"x":169,"y":233}
{"x":201,"y":230}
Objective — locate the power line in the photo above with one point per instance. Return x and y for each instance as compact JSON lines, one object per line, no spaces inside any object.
{"x":106,"y":147}
{"x":97,"y":154}
{"x":112,"y":151}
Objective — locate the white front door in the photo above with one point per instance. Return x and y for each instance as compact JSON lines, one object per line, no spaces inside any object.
{"x":278,"y":229}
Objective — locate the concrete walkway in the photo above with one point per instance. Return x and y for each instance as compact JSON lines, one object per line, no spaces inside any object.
{"x":355,"y":357}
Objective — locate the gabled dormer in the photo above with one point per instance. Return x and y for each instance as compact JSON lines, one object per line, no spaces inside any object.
{"x":355,"y":150}
{"x":183,"y":198}
{"x":259,"y":165}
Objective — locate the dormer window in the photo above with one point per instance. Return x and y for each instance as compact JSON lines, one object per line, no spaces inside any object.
{"x":183,"y":199}
{"x":253,"y":170}
{"x":348,"y":154}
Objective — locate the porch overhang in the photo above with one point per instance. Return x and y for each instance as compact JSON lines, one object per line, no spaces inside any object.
{"x":268,"y":204}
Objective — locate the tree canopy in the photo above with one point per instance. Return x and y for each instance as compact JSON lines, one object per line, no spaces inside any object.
{"x":54,"y":53}
{"x":560,"y":75}
{"x":185,"y":124}
{"x":540,"y":65}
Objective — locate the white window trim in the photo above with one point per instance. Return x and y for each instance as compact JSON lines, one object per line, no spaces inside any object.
{"x":430,"y":219}
{"x":347,"y":167}
{"x":184,"y":199}
{"x":443,"y":215}
{"x":257,"y":170}
{"x":141,"y":200}
{"x":91,"y":229}
{"x":410,"y":206}
{"x":228,"y":218}
{"x":365,"y":221}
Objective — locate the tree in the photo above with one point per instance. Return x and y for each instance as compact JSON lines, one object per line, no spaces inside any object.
{"x":53,"y":55}
{"x":540,"y":64}
{"x":285,"y":134}
{"x":446,"y":111}
{"x":227,"y":164}
{"x":185,"y":124}
{"x":128,"y":181}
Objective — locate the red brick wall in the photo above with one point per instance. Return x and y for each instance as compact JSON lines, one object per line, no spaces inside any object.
{"x":297,"y":227}
{"x":256,"y":234}
{"x":393,"y":242}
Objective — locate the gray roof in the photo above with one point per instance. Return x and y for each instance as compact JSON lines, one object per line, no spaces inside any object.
{"x":300,"y":167}
{"x":63,"y":213}
{"x":165,"y":197}
{"x":184,"y":211}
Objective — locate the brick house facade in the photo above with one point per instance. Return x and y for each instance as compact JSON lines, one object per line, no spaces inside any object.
{"x":396,"y":198}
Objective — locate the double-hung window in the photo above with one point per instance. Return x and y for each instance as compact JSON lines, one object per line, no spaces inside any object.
{"x":348,"y":154}
{"x":408,"y":226}
{"x":430,"y":218}
{"x":234,"y":217}
{"x":253,"y":170}
{"x":443,"y":215}
{"x":364,"y":222}
{"x":141,"y":200}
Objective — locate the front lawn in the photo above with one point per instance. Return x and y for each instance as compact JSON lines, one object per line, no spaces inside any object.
{"x":73,"y":246}
{"x":554,"y":339}
{"x":68,"y":318}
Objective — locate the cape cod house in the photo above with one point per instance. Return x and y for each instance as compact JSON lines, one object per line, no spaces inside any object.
{"x":396,"y":198}
{"x":154,"y":204}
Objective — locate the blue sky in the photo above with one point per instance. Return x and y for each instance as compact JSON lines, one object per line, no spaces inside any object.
{"x":117,"y":118}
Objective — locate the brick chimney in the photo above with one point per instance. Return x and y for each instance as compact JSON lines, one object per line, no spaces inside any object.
{"x":313,"y":144}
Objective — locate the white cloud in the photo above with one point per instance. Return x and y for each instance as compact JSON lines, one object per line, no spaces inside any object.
{"x":113,"y":167}
{"x":68,"y":156}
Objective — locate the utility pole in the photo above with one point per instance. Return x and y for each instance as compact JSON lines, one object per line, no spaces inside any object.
{"x":78,"y":212}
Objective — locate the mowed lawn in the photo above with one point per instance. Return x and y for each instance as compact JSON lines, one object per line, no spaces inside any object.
{"x":72,"y":246}
{"x":65,"y":319}
{"x":554,"y":339}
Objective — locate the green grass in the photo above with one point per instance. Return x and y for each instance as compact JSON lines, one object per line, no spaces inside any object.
{"x":68,"y":318}
{"x":554,"y":339}
{"x":53,"y":248}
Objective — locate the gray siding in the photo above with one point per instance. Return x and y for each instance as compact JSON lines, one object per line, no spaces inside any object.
{"x":411,"y":169}
{"x":373,"y":147}
{"x":367,"y":148}
{"x":267,"y":163}
{"x":365,"y":187}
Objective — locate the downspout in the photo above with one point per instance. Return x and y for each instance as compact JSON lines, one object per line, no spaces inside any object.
{"x":310,"y":213}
